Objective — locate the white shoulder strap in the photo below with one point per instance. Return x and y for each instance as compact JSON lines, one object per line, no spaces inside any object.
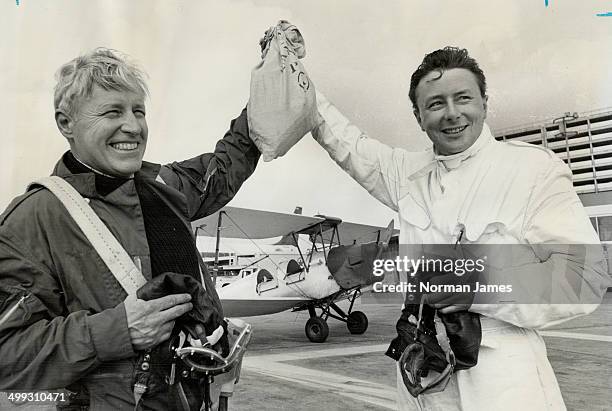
{"x":112,"y":253}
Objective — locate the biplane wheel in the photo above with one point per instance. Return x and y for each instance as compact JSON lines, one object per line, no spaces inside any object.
{"x":317,"y":329}
{"x":357,"y":322}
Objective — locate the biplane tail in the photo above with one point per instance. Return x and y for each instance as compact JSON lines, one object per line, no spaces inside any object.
{"x":352,"y":265}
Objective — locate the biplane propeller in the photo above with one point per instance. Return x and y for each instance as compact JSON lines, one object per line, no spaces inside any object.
{"x":337,"y":265}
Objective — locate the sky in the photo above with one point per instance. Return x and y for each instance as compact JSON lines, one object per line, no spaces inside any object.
{"x":540,"y":61}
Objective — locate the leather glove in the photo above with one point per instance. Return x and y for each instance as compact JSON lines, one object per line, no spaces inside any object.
{"x":203,"y":320}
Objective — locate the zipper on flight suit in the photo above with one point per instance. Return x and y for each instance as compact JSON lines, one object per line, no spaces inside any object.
{"x":12,"y":310}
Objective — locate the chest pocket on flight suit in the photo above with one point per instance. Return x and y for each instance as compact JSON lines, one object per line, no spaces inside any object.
{"x":481,"y":231}
{"x":491,"y":239}
{"x":414,"y":226}
{"x":413,"y":220}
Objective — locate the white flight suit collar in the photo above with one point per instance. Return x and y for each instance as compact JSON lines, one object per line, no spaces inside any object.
{"x":455,"y":160}
{"x":441,"y":164}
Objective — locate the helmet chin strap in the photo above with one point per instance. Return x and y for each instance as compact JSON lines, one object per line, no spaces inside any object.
{"x":93,"y":169}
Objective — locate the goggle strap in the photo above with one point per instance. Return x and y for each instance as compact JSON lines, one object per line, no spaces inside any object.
{"x":443,"y":340}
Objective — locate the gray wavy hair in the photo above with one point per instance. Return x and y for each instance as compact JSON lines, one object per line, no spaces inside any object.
{"x":106,"y":68}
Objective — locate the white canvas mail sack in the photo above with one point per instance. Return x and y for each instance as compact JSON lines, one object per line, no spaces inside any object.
{"x":282,"y":106}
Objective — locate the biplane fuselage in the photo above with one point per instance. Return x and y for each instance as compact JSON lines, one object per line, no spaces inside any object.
{"x":246,"y":297}
{"x":335,"y":267}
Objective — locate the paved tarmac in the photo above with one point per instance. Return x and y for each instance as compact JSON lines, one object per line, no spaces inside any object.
{"x":284,"y":371}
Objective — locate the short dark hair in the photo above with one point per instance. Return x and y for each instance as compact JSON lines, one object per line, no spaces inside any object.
{"x":446,"y":59}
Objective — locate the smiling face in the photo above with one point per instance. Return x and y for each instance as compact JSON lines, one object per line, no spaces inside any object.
{"x":450,"y":109}
{"x":108,"y":132}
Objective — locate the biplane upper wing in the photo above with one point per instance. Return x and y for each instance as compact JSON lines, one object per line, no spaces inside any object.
{"x":354,"y":233}
{"x":257,"y":224}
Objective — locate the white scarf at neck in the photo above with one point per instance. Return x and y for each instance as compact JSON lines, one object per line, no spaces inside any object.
{"x":453,"y":161}
{"x":441,"y":164}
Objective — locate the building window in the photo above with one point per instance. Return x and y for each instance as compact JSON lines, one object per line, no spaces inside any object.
{"x":605,"y":228}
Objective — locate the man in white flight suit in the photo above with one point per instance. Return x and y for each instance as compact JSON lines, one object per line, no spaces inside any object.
{"x":484,"y":191}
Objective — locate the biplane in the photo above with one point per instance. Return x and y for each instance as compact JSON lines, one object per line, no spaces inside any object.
{"x":336,"y":264}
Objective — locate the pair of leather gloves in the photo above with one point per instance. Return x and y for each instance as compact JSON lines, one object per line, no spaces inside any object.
{"x":203,"y":320}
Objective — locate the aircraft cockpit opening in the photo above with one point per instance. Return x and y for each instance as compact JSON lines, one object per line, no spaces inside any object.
{"x":293,"y":267}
